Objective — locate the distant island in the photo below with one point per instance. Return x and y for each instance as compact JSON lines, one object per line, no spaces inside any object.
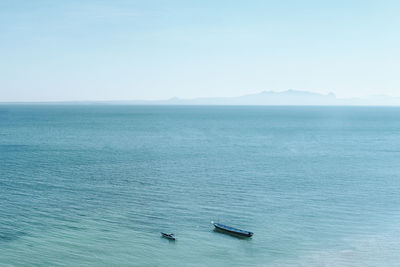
{"x":271,"y":98}
{"x":264,"y":98}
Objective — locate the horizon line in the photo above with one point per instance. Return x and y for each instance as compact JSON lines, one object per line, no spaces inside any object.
{"x":329,"y":94}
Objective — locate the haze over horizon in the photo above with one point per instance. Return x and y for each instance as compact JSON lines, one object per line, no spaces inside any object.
{"x":127,"y":50}
{"x":264,"y":98}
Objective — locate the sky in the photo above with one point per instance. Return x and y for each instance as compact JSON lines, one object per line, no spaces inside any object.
{"x":55,"y":50}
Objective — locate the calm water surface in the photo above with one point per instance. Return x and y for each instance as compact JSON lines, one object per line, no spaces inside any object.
{"x":94,"y":185}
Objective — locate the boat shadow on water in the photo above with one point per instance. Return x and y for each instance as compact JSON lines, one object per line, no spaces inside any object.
{"x":171,"y":241}
{"x":222,"y":232}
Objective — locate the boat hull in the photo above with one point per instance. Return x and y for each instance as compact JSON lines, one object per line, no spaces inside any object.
{"x":168,"y":236}
{"x":231,"y":230}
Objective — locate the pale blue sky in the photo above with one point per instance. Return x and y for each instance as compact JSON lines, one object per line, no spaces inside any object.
{"x":116,"y":50}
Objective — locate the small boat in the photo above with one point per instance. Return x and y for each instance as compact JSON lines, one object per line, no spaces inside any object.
{"x":168,"y":236}
{"x":232,"y":230}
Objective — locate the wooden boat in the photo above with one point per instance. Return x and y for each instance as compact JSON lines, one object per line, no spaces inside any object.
{"x":231,"y":230}
{"x":168,"y":236}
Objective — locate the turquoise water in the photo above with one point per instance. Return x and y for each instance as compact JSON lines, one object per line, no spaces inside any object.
{"x":94,"y":185}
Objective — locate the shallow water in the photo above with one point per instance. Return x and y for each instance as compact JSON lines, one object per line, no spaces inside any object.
{"x":95,"y":185}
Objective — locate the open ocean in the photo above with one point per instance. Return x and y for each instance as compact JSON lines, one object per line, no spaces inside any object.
{"x":93,"y":185}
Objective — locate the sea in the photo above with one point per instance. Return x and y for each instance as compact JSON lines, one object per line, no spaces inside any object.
{"x":94,"y":185}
